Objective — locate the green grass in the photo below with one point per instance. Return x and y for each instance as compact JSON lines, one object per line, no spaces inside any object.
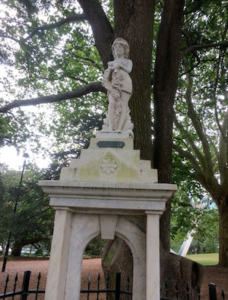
{"x":204,"y":259}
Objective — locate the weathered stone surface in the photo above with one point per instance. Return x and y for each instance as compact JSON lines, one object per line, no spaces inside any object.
{"x":110,"y":165}
{"x":100,"y":194}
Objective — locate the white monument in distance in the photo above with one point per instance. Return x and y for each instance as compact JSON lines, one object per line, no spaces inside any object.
{"x":97,"y":193}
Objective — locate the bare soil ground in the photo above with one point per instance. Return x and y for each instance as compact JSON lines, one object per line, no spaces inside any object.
{"x":218,"y":276}
{"x":214,"y":274}
{"x":90,"y":266}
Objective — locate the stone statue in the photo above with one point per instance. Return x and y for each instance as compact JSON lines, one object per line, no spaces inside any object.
{"x":119,"y":86}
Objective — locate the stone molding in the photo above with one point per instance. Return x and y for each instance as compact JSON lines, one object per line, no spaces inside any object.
{"x":112,"y":196}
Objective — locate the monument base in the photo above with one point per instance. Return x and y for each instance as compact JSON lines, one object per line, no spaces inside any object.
{"x":99,"y":194}
{"x":110,"y":160}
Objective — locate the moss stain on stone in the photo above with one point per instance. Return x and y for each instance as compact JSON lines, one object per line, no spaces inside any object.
{"x":126,"y":172}
{"x":108,"y":258}
{"x":90,"y":171}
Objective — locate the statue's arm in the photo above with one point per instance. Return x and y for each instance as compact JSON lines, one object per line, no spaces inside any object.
{"x":110,"y":64}
{"x":126,"y":65}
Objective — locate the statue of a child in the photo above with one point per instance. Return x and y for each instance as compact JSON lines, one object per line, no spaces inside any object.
{"x":119,"y":86}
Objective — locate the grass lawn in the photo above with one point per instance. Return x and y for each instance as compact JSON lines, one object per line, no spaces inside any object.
{"x":204,"y":259}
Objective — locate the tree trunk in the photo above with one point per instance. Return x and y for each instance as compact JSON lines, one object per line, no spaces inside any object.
{"x":173,"y":268}
{"x":17,"y":247}
{"x":223,"y":232}
{"x":134,"y":22}
{"x":117,"y":257}
{"x":165,"y":86}
{"x":101,"y":27}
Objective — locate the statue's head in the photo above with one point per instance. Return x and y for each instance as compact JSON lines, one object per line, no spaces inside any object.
{"x":124,"y":44}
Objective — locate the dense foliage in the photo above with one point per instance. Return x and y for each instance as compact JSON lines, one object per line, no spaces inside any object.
{"x":33,"y":220}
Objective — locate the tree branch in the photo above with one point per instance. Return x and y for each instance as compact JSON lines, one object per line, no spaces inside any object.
{"x":218,"y":74}
{"x":9,"y":37}
{"x":209,"y":183}
{"x":74,"y":18}
{"x":89,"y":60}
{"x":194,"y":7}
{"x":216,"y":167}
{"x":198,"y":127}
{"x":27,"y":241}
{"x":186,"y":35}
{"x":223,"y":152}
{"x":189,"y":156}
{"x":203,"y":46}
{"x":191,"y":69}
{"x":188,"y":137}
{"x":102,"y":30}
{"x":89,"y":88}
{"x":77,"y":79}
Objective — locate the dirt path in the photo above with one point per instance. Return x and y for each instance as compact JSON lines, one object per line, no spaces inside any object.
{"x":218,"y":276}
{"x":214,"y":274}
{"x":90,"y":266}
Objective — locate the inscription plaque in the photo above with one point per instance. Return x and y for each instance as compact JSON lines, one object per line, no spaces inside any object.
{"x":110,"y":144}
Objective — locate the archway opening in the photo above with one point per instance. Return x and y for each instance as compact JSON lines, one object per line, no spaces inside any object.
{"x":102,"y":259}
{"x":92,"y":276}
{"x":114,"y":260}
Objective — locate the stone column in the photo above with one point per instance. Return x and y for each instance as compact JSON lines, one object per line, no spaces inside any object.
{"x":84,"y":227}
{"x":57,"y":271}
{"x":152,"y":256}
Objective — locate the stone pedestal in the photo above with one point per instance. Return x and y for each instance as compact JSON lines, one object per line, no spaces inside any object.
{"x":96,"y":195}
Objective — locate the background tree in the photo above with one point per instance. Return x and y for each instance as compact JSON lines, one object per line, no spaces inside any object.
{"x":3,"y":214}
{"x":193,"y":213}
{"x":33,"y":221}
{"x":200,"y":119}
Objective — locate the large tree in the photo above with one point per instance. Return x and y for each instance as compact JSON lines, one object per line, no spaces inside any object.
{"x":200,"y":110}
{"x":203,"y":143}
{"x":59,"y":60}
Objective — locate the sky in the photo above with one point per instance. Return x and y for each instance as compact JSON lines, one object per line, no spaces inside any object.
{"x":10,"y":157}
{"x":14,"y":160}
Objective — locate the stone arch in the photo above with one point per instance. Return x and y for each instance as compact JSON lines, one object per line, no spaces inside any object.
{"x":83,"y":229}
{"x":76,"y":230}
